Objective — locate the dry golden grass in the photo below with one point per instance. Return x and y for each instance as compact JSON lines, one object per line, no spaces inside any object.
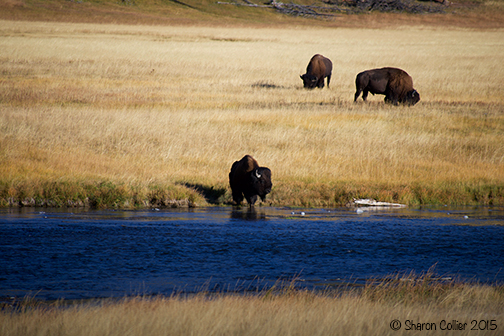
{"x":162,"y":112}
{"x":369,"y":311}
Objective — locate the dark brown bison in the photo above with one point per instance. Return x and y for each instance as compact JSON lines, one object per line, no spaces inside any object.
{"x":395,"y":84}
{"x":319,"y":68}
{"x":247,"y":179}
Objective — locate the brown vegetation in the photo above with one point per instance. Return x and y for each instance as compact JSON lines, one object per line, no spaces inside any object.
{"x":138,"y":115}
{"x":152,"y":112}
{"x":411,"y":300}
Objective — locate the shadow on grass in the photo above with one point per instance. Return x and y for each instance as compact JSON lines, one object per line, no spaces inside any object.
{"x":266,"y":85}
{"x":212,"y":195}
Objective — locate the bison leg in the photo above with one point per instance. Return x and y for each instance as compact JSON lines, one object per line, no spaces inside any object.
{"x":391,"y":101}
{"x":320,"y":83}
{"x":251,"y":200}
{"x":237,"y":197}
{"x":357,"y":93}
{"x":391,"y":98}
{"x":328,"y":80}
{"x":364,"y":95}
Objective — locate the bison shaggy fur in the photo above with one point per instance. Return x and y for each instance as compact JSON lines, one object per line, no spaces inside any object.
{"x":395,"y":84}
{"x":247,"y":179}
{"x":319,"y":68}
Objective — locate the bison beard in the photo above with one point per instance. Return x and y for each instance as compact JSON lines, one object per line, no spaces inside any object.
{"x":318,"y":68}
{"x":395,"y":84}
{"x":247,"y":179}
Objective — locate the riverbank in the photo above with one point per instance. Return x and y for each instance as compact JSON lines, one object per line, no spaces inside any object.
{"x":121,"y":196}
{"x":399,"y":305}
{"x":133,"y":116}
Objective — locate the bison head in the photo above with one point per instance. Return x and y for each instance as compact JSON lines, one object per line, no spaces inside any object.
{"x":412,"y":97}
{"x":309,"y":81}
{"x":261,"y":181}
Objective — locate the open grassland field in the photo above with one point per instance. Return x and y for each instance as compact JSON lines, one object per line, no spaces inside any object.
{"x":148,"y":103}
{"x":113,"y":115}
{"x":418,"y":306}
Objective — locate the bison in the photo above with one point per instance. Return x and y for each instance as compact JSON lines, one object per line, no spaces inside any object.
{"x":319,"y":68}
{"x":247,"y":179}
{"x":395,"y":84}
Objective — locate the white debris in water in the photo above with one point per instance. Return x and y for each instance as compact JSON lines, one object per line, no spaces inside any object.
{"x":372,"y":202}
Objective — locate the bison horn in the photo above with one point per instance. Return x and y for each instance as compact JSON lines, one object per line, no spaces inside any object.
{"x":257,"y":174}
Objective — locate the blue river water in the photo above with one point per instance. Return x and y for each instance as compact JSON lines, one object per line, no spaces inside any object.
{"x":78,"y":254}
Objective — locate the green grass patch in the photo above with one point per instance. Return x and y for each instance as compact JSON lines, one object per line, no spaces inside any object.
{"x":97,"y":194}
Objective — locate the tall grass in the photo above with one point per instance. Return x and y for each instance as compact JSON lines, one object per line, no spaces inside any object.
{"x":149,"y":110}
{"x":412,"y":300}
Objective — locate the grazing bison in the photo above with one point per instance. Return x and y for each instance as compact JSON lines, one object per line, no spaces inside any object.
{"x":319,"y":68}
{"x":395,"y":84}
{"x":247,"y":179}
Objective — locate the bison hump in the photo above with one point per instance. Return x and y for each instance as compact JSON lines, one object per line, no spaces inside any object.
{"x":245,"y":165}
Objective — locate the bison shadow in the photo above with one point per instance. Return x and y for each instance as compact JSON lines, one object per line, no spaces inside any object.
{"x":212,"y":195}
{"x":266,"y":85}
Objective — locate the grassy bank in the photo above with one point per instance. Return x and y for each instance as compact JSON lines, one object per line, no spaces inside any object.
{"x":418,"y":303}
{"x":135,"y":116}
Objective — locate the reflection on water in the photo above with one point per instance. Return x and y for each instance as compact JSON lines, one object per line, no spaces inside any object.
{"x":247,"y":213}
{"x":54,"y":253}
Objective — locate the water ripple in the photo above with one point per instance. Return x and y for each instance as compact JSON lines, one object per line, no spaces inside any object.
{"x":60,"y":254}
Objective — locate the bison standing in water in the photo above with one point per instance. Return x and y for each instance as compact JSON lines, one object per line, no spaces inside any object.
{"x":395,"y":84}
{"x":247,"y":179}
{"x":319,"y":68}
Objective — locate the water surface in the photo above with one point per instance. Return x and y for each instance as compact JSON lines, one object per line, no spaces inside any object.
{"x":51,"y":253}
